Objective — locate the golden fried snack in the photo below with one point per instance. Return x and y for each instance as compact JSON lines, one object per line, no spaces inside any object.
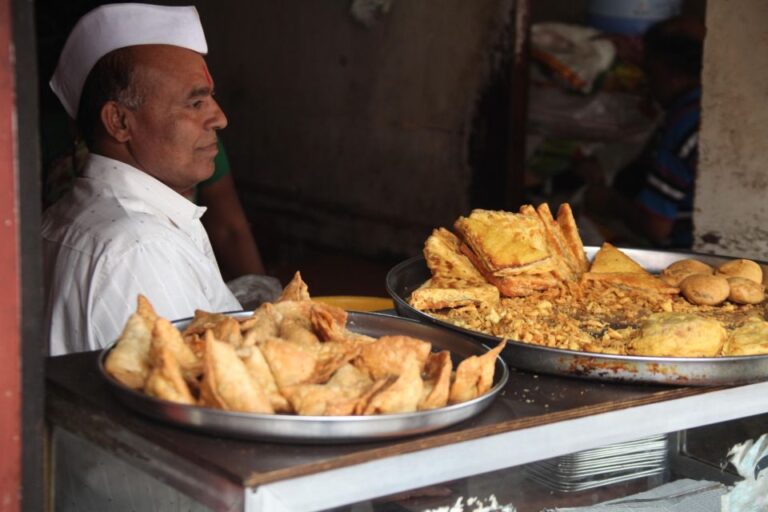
{"x":165,"y":380}
{"x":329,"y":322}
{"x":612,"y":265}
{"x":571,"y":234}
{"x":745,"y":291}
{"x":678,"y":334}
{"x":298,"y":331}
{"x":401,"y":395}
{"x":440,"y":293}
{"x":504,"y":241}
{"x":228,"y":331}
{"x":674,"y":274}
{"x":145,"y":310}
{"x":705,"y":290}
{"x":259,"y":369}
{"x":351,"y":378}
{"x":128,"y":361}
{"x":445,"y":259}
{"x":227,"y":384}
{"x":319,"y":400}
{"x":290,"y":364}
{"x":610,"y":260}
{"x":333,"y":355}
{"x":166,"y":335}
{"x":338,"y":397}
{"x":294,"y":310}
{"x":742,"y":268}
{"x":202,"y":321}
{"x":749,"y":339}
{"x":520,"y":285}
{"x":386,"y":356}
{"x":569,"y":267}
{"x":437,"y":381}
{"x":265,"y":323}
{"x":296,"y":290}
{"x":524,"y":284}
{"x":474,"y":375}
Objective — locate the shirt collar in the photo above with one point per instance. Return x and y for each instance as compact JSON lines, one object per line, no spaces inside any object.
{"x":131,"y":183}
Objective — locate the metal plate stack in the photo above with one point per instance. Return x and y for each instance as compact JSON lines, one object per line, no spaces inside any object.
{"x":602,"y":466}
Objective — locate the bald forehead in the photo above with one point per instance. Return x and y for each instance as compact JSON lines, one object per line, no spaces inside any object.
{"x":155,"y":64}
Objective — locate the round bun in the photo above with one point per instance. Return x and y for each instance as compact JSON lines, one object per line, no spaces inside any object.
{"x":742,"y":268}
{"x":674,"y":274}
{"x":705,"y":290}
{"x":745,"y":291}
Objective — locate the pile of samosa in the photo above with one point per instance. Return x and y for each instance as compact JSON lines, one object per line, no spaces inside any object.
{"x":294,"y":356}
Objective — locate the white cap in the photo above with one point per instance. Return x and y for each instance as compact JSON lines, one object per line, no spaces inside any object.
{"x":114,"y":26}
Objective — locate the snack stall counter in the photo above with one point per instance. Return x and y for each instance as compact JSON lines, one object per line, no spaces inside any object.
{"x":106,"y":456}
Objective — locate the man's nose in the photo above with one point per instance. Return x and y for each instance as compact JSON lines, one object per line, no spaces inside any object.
{"x":218,"y":119}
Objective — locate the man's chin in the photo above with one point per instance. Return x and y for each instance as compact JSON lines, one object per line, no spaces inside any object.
{"x":206,"y":172}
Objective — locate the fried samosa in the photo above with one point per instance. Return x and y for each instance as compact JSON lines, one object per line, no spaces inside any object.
{"x":474,"y":375}
{"x":227,"y":384}
{"x":128,"y":361}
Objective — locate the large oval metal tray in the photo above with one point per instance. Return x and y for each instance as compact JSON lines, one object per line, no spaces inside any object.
{"x":408,"y":275}
{"x":327,"y":429}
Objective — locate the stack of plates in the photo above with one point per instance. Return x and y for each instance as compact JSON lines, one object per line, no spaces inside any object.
{"x":602,"y":466}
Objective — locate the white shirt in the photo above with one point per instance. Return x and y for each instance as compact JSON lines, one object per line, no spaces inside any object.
{"x":118,"y":233}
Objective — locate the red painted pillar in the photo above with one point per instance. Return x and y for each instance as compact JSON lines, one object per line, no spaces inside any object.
{"x":10,"y":296}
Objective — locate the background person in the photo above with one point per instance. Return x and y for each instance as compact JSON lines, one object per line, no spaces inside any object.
{"x":134,"y":78}
{"x":654,"y":195}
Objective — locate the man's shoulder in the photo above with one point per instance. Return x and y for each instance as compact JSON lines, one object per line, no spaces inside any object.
{"x":103,"y":223}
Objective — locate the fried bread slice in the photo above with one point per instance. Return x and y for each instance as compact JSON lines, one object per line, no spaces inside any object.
{"x":445,"y":259}
{"x":503,"y":240}
{"x":524,"y":284}
{"x":441,"y":293}
{"x":570,"y":231}
{"x":609,"y":259}
{"x":612,"y":265}
{"x":567,"y":267}
{"x":519,"y":285}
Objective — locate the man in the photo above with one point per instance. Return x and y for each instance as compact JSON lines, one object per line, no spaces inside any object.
{"x":134,"y":78}
{"x":654,"y":196}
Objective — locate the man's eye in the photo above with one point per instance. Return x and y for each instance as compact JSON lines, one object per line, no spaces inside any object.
{"x":197,"y":104}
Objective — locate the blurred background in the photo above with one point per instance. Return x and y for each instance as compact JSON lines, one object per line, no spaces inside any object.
{"x":357,"y":127}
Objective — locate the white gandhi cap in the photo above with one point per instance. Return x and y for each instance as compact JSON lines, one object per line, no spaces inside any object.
{"x":114,"y":26}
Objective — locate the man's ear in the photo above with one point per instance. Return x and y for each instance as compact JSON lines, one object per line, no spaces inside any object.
{"x":115,"y":122}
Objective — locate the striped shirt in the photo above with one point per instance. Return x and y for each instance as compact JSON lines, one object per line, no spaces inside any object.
{"x":120,"y":232}
{"x":669,"y":186}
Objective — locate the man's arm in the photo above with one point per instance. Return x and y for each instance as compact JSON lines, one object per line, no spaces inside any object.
{"x":228,"y":229}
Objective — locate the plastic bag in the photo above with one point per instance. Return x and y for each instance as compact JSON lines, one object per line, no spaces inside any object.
{"x":253,"y":290}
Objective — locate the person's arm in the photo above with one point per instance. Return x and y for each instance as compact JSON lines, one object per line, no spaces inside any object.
{"x":228,"y":229}
{"x":605,"y":202}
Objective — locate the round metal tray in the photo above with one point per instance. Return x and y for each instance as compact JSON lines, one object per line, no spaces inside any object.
{"x":327,"y":429}
{"x":688,"y":371}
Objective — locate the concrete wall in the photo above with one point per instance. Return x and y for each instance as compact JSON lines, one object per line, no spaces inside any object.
{"x":731,"y":212}
{"x":346,"y":136}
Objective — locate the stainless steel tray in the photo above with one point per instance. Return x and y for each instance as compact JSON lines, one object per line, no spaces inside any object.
{"x":325,"y":429}
{"x":405,"y":277}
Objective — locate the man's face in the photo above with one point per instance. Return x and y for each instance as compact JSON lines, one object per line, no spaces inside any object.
{"x":173,"y":132}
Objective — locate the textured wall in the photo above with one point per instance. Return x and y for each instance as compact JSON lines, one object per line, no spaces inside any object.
{"x":731,"y":212}
{"x":348,"y":136}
